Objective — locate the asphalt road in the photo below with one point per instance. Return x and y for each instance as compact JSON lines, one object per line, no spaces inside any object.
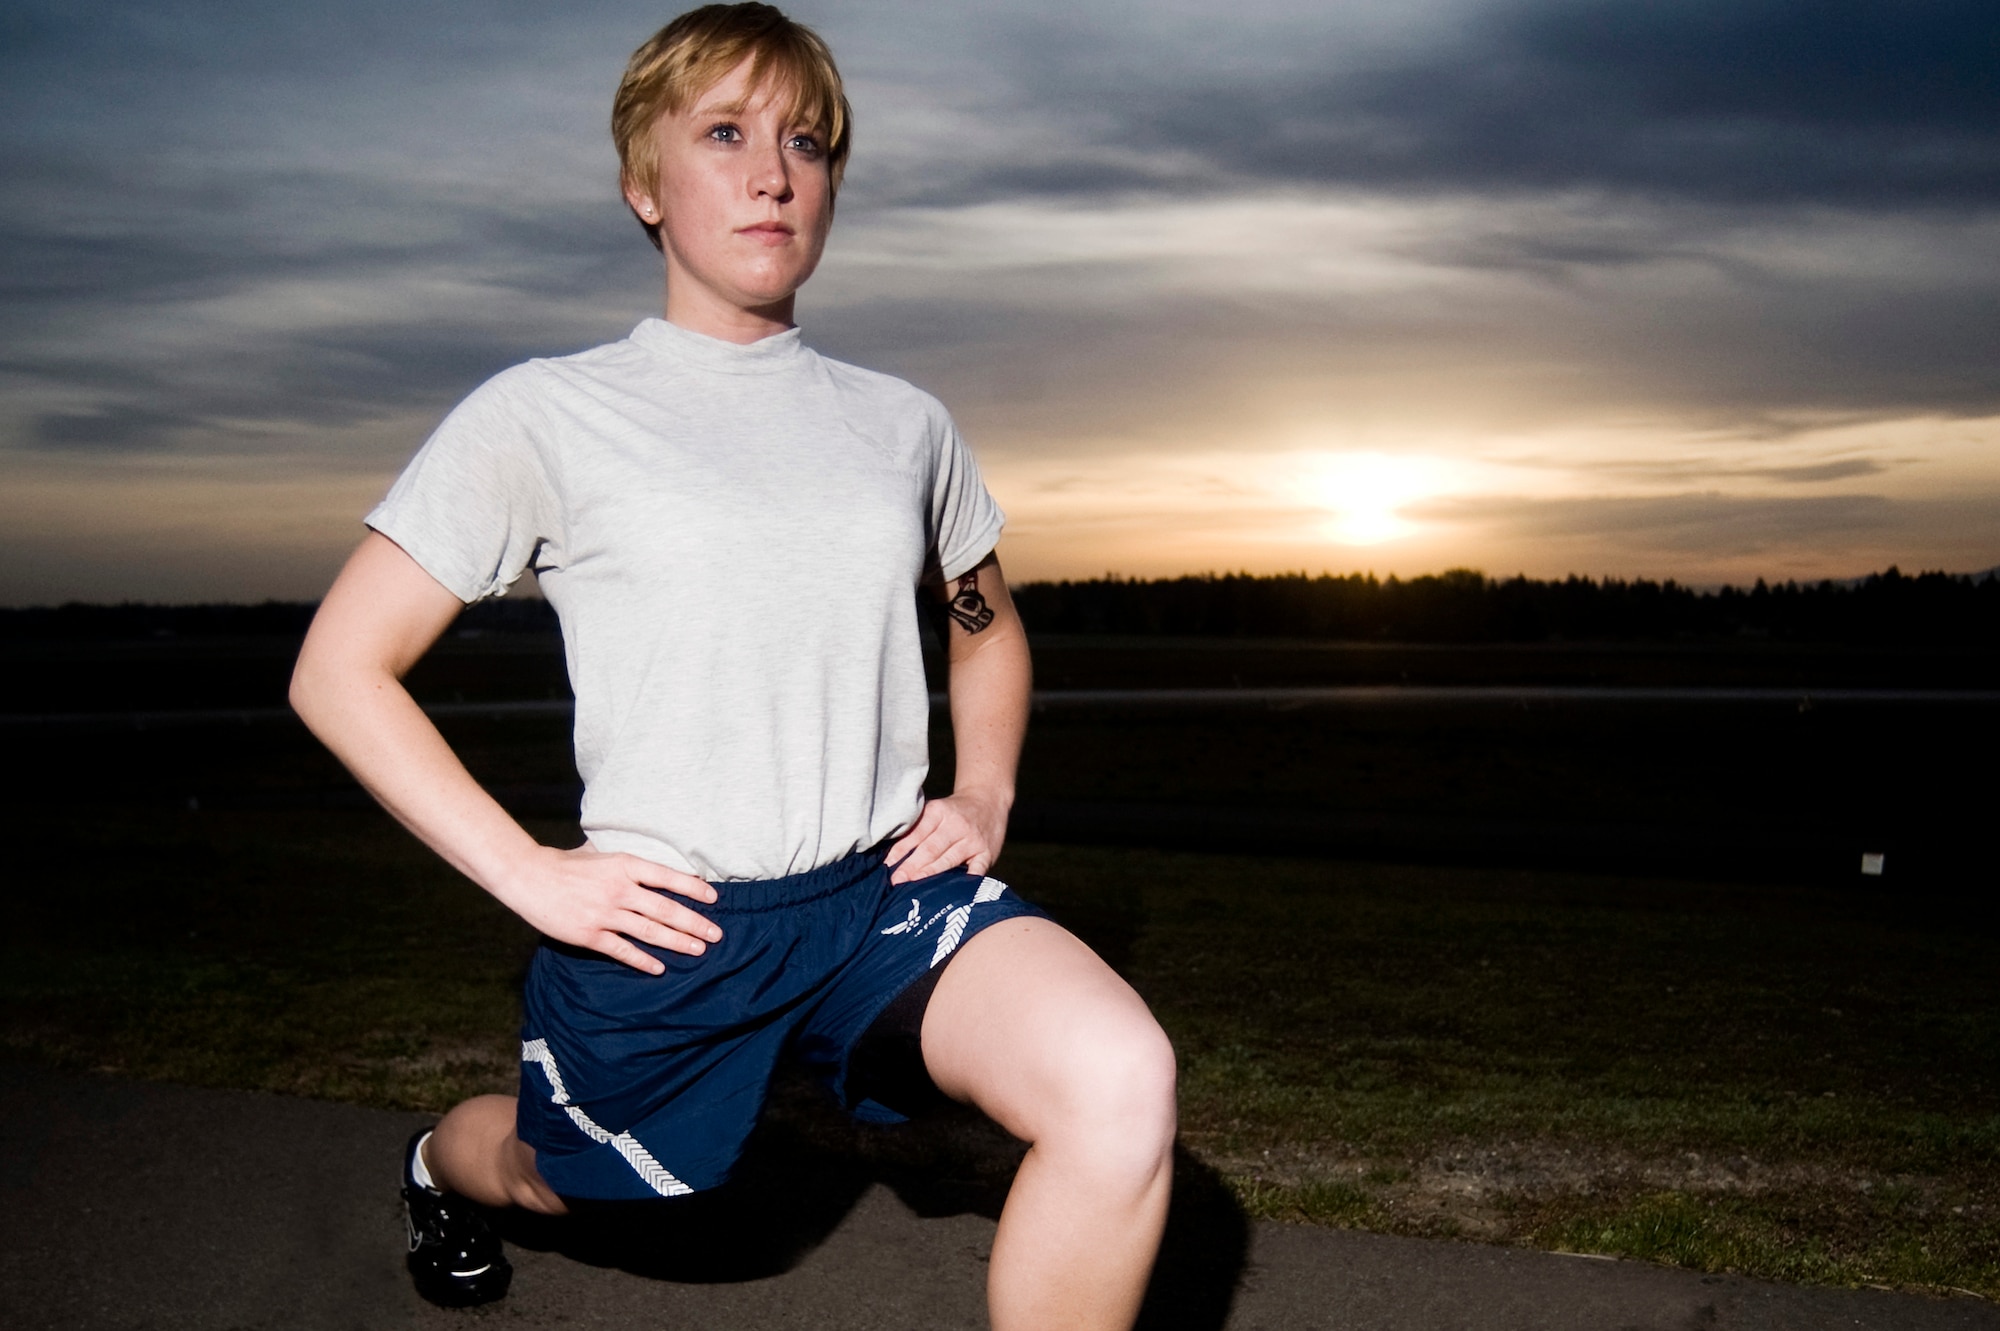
{"x":136,"y":1205}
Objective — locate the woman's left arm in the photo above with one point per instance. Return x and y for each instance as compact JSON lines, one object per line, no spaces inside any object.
{"x":989,"y":682}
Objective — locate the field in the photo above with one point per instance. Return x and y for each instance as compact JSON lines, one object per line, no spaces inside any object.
{"x":1521,"y":991}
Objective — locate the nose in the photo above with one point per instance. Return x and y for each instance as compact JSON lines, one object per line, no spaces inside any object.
{"x":770,"y":178}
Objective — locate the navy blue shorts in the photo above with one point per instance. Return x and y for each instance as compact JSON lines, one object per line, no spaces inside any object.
{"x":637,"y":1086}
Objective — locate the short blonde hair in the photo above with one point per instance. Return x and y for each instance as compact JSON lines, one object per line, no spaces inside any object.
{"x":696,"y":51}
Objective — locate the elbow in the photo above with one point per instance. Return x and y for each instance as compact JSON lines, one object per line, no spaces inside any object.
{"x":317,"y":677}
{"x":1005,"y":640}
{"x":332,"y":684}
{"x":303,"y":692}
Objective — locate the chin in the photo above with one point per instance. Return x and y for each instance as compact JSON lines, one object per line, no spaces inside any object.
{"x":764,"y":300}
{"x":770,"y":293}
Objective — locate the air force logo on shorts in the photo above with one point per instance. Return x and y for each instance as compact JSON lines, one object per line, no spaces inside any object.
{"x":955,"y":918}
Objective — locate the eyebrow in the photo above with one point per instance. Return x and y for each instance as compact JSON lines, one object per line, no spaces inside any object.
{"x":710,"y":110}
{"x":735,"y":108}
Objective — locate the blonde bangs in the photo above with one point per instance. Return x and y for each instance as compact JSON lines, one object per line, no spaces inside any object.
{"x":816,"y":99}
{"x":697,"y":50}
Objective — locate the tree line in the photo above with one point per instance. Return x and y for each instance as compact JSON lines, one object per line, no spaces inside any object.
{"x":1461,"y":605}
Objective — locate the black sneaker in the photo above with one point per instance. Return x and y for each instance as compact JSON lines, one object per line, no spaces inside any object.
{"x":454,"y":1257}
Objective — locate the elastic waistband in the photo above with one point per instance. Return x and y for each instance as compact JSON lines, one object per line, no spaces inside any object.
{"x":794,"y":889}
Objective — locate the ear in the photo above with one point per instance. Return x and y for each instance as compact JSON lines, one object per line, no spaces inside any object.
{"x":641,"y":201}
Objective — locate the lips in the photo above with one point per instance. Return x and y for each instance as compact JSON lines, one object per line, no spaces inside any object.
{"x":770,"y":233}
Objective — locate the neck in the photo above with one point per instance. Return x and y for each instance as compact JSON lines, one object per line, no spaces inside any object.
{"x":699,"y":311}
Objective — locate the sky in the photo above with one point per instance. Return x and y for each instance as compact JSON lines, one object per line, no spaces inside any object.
{"x":1701,"y":289}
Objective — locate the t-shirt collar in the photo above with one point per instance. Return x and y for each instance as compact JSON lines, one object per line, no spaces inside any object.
{"x":764,"y":356}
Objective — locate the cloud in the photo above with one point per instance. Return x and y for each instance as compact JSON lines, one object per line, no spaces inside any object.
{"x":1769,"y":101}
{"x":1345,"y":308}
{"x":1814,"y":473}
{"x":1659,"y":236}
{"x":1170,"y":212}
{"x":1681,"y":471}
{"x":110,"y":427}
{"x":1707,"y":523}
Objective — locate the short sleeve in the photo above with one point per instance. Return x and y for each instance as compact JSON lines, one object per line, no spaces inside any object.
{"x":477,"y":502}
{"x":965,"y":522}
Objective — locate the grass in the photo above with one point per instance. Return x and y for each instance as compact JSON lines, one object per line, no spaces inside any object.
{"x":321,"y":954}
{"x":1801,"y":1085}
{"x":1792,"y":1084}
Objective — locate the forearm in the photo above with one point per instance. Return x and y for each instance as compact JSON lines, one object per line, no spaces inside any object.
{"x":371,"y":723}
{"x":378,"y":619}
{"x":990,"y":683}
{"x":602,"y":902}
{"x":989,"y":686}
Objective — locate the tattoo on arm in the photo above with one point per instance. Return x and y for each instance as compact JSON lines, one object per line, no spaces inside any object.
{"x":967,"y":607}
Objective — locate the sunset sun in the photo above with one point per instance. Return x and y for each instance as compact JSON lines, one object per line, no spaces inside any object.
{"x":1365,"y":493}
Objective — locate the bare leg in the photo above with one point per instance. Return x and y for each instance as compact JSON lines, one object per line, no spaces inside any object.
{"x":473,"y":1152}
{"x":1030,"y":1026}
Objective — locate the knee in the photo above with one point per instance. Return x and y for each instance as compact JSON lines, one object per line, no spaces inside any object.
{"x":1120,"y":1102}
{"x":1150,"y":1080}
{"x":524,"y":1183}
{"x":535,"y":1195}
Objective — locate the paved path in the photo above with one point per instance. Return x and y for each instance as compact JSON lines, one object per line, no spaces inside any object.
{"x":132,"y":1205}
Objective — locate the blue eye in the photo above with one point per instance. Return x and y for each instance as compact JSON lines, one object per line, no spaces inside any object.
{"x":804,"y":143}
{"x":725,"y":134}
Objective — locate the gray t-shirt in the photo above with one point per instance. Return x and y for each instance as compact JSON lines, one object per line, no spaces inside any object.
{"x":732,"y":537}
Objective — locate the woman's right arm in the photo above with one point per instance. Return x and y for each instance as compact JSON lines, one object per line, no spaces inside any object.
{"x":382,"y":614}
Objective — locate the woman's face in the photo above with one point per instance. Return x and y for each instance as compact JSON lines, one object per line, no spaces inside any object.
{"x":744,"y":200}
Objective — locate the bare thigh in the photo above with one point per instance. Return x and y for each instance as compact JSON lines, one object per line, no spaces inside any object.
{"x":1031,"y":1026}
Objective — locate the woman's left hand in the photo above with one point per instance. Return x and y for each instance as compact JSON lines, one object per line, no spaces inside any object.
{"x":966,"y":828}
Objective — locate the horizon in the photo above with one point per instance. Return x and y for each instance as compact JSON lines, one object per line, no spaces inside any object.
{"x":1589,"y":287}
{"x":526,"y":591}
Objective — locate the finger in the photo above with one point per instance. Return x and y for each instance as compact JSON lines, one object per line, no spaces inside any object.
{"x":621,"y":949}
{"x":673,"y":880}
{"x":934,"y":856}
{"x":660,"y":935}
{"x":918,"y":863}
{"x":925,"y":825}
{"x":985,"y":852}
{"x":671,"y":915}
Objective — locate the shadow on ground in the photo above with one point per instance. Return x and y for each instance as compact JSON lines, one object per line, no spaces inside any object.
{"x":808,"y":1167}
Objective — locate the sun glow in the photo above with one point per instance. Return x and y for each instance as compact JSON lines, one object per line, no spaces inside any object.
{"x":1365,"y":493}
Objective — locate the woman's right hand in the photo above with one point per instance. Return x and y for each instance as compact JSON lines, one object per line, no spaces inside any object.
{"x":588,"y":898}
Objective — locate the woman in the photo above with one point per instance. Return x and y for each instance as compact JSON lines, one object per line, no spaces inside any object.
{"x":731,"y":529}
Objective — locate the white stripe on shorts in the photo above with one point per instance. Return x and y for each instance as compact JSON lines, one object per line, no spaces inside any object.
{"x":954,"y":925}
{"x":636,"y":1155}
